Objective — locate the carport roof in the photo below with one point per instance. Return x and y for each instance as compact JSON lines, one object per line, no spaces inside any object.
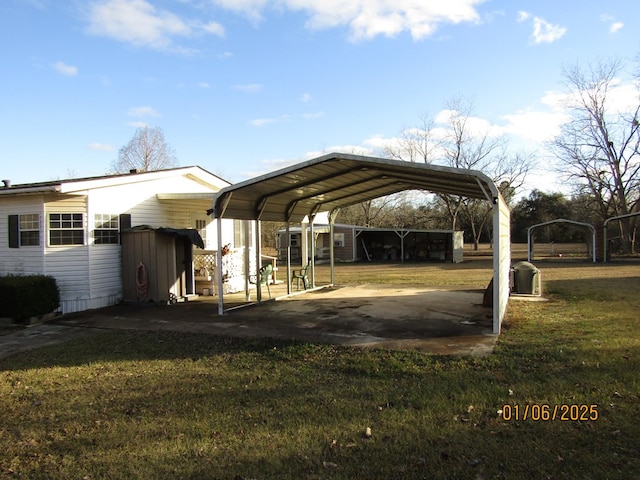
{"x":338,"y":180}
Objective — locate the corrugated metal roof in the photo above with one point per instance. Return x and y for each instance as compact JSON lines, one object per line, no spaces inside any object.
{"x":338,"y":180}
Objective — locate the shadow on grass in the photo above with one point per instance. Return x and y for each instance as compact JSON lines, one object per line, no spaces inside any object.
{"x":138,"y":345}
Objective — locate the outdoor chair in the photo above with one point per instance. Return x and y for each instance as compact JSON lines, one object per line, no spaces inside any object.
{"x":302,"y":274}
{"x":264,"y":277}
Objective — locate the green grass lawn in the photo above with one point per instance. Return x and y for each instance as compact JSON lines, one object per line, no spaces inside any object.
{"x":146,"y":405}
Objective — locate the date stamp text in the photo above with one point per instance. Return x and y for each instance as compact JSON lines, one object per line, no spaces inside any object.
{"x":549,"y":413}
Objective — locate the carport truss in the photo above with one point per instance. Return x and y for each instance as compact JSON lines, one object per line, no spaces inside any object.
{"x":338,"y":180}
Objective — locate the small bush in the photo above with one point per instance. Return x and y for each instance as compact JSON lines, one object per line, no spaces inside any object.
{"x":28,"y":296}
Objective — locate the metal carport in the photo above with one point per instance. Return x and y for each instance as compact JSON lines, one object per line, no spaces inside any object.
{"x":338,"y":180}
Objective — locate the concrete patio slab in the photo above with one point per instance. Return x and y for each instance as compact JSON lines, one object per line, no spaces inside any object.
{"x":446,"y":321}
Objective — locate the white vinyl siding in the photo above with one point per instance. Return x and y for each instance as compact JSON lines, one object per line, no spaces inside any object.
{"x":69,"y":263}
{"x":23,"y":260}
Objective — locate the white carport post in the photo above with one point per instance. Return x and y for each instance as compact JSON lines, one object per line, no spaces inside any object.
{"x":313,"y":251}
{"x":332,"y":258}
{"x":501,"y":260}
{"x":218,"y":272}
{"x":288,"y":259}
{"x":304,"y":242}
{"x":247,"y":260}
{"x":258,"y":247}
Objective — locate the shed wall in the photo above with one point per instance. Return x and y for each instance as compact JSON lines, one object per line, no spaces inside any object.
{"x":158,"y":255}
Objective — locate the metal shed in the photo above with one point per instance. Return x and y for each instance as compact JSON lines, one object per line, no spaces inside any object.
{"x":157,"y":263}
{"x":338,"y":180}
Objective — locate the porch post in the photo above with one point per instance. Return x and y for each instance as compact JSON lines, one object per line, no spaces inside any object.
{"x":332,"y":216}
{"x":313,"y":251}
{"x":288,"y":234}
{"x":247,"y":259}
{"x":218,"y":272}
{"x":258,"y":261}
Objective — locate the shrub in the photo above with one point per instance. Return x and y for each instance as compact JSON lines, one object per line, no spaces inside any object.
{"x":28,"y":296}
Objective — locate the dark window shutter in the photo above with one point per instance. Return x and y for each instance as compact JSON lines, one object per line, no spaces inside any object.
{"x":14,"y":231}
{"x":125,"y":223}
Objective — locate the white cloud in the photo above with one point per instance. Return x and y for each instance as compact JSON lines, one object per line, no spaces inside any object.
{"x":523,"y":16}
{"x":225,"y":55}
{"x":204,"y":85}
{"x":101,"y":147}
{"x":214,"y":28}
{"x":140,"y":23}
{"x":545,"y":32}
{"x":66,"y":70}
{"x":536,"y":126}
{"x":616,"y":26}
{"x":250,"y":8}
{"x":312,"y":116}
{"x":305,"y":98}
{"x":261,"y":122}
{"x":367,"y":19}
{"x":144,"y":111}
{"x":249,"y":88}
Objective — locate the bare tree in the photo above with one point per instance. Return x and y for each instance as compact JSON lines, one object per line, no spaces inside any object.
{"x":463,"y":141}
{"x":416,"y":144}
{"x":371,"y":213}
{"x":598,"y":148}
{"x":146,"y":151}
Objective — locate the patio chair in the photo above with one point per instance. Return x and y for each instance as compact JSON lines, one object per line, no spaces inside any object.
{"x":264,"y":277}
{"x":302,"y":274}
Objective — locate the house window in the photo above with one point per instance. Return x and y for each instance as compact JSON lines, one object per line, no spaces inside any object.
{"x":66,"y":229}
{"x":30,"y":230}
{"x":106,"y":229}
{"x":201,"y":226}
{"x":338,"y":239}
{"x":293,"y":240}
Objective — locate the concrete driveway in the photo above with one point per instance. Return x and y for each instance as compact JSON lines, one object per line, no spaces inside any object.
{"x":427,"y":319}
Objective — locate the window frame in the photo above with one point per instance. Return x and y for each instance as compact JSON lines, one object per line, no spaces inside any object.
{"x":34,"y":220}
{"x":103,"y":229}
{"x":76,"y":230}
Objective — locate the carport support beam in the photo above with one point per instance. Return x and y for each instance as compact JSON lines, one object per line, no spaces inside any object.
{"x":313,"y":251}
{"x":258,"y":247}
{"x":288,"y":259}
{"x":332,"y":257}
{"x":219,"y":269}
{"x":247,"y":262}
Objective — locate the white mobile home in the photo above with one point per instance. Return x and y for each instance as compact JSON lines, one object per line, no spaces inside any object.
{"x":70,"y":229}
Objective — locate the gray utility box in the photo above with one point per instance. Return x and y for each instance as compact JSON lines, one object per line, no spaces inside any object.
{"x":525,"y":277}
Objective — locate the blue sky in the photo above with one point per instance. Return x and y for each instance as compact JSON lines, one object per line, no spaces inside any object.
{"x":243,"y":87}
